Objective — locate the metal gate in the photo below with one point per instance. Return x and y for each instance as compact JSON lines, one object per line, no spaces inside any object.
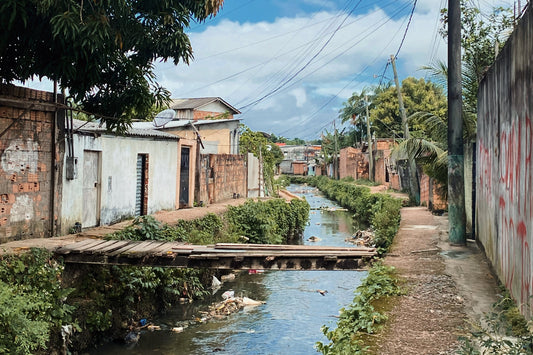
{"x":140,"y":191}
{"x":184,"y":177}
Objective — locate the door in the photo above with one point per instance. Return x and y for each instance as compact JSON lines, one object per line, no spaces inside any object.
{"x":184,"y":177}
{"x":91,"y":189}
{"x":141,"y":197}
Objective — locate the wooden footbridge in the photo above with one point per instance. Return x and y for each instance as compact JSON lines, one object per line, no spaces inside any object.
{"x":219,"y":256}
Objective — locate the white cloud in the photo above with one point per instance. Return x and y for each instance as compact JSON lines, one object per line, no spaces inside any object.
{"x":266,"y":67}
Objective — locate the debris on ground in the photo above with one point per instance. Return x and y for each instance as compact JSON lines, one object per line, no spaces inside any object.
{"x":362,"y":238}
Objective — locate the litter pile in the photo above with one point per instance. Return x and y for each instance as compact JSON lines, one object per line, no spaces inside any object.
{"x":362,"y":238}
{"x":229,"y":306}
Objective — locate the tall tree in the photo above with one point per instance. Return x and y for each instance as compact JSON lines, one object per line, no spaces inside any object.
{"x":481,"y":36}
{"x":419,"y":96}
{"x":354,"y":109}
{"x":102,"y":52}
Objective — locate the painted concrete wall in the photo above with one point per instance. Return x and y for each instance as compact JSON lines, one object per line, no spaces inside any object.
{"x":253,"y":175}
{"x":29,"y":191}
{"x":117,"y":177}
{"x":218,"y":137}
{"x":504,"y":174}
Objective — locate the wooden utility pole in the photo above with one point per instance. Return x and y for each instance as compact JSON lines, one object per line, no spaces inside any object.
{"x":335,"y":160}
{"x":456,"y":191}
{"x":413,"y":180}
{"x":369,"y":137}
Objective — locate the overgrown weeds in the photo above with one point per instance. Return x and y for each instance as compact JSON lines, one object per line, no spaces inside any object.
{"x":361,"y":317}
{"x":32,"y":302}
{"x":504,"y":331}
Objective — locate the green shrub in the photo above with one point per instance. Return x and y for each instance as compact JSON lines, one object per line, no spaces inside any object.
{"x":268,"y":222}
{"x":361,"y":317}
{"x":32,"y":301}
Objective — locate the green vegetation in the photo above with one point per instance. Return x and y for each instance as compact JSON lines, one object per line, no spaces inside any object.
{"x":273,"y":221}
{"x":32,"y":302}
{"x":258,"y":144}
{"x":269,"y":222}
{"x":505,"y":331}
{"x":362,"y":317}
{"x":102,"y":52}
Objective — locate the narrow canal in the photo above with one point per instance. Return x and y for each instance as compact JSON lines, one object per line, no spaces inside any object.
{"x":290,"y":320}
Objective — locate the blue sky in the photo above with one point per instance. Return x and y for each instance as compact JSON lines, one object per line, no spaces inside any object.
{"x":288,"y":65}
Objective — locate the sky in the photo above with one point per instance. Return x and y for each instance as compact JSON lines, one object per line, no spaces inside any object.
{"x":288,"y":66}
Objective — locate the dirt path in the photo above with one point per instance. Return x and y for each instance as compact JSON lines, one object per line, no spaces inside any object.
{"x":447,"y":286}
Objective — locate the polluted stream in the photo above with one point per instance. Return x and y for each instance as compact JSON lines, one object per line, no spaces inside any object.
{"x":293,"y":312}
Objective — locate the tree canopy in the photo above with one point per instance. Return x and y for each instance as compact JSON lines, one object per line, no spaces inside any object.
{"x":102,"y":52}
{"x":418,"y":96}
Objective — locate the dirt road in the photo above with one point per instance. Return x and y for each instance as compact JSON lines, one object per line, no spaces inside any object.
{"x":447,"y":286}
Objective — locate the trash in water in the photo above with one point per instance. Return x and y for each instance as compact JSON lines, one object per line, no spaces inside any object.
{"x":228,"y":294}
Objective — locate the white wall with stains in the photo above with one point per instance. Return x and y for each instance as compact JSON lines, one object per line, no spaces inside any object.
{"x":117,"y":177}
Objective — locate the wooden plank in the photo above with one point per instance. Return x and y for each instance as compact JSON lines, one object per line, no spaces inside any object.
{"x":91,"y":246}
{"x":131,"y":244}
{"x":142,"y":247}
{"x":111,"y":246}
{"x":76,"y":247}
{"x":288,"y":252}
{"x":165,"y":248}
{"x":286,"y":247}
{"x":284,"y":255}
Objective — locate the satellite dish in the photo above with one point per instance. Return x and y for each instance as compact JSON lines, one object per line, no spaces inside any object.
{"x":164,"y":117}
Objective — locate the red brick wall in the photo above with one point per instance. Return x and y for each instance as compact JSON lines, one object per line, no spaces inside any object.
{"x":299,"y":168}
{"x":354,"y":163}
{"x":429,"y":194}
{"x":27,"y":164}
{"x":222,"y":176}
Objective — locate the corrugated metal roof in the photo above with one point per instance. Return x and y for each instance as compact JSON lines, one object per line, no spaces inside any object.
{"x":181,"y":123}
{"x":194,"y":103}
{"x":94,"y":127}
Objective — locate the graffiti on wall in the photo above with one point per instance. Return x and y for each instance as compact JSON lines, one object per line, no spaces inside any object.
{"x":514,"y":204}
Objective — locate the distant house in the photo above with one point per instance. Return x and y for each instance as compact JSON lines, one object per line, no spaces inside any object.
{"x":108,"y":177}
{"x":209,"y":165}
{"x":298,"y":159}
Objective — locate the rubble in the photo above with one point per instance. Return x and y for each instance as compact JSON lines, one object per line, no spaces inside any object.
{"x":362,"y":238}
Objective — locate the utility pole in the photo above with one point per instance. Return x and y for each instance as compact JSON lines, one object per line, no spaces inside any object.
{"x":456,"y":195}
{"x":369,"y":137}
{"x":413,"y":181}
{"x":335,"y":160}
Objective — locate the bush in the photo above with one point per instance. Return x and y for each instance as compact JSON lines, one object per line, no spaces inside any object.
{"x":32,"y":302}
{"x":269,"y":222}
{"x":361,"y":317}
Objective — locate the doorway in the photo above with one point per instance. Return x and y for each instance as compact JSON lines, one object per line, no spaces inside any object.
{"x":91,"y":189}
{"x":141,"y":191}
{"x":184,"y":177}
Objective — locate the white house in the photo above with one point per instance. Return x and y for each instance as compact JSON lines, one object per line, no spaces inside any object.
{"x":108,"y":177}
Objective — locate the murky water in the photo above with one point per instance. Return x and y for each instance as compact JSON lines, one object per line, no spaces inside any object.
{"x":290,"y":320}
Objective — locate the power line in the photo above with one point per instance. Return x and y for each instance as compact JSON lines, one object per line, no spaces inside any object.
{"x":306,"y":64}
{"x":406,"y":29}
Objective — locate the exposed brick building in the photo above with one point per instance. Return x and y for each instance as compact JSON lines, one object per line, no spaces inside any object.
{"x":30,"y":169}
